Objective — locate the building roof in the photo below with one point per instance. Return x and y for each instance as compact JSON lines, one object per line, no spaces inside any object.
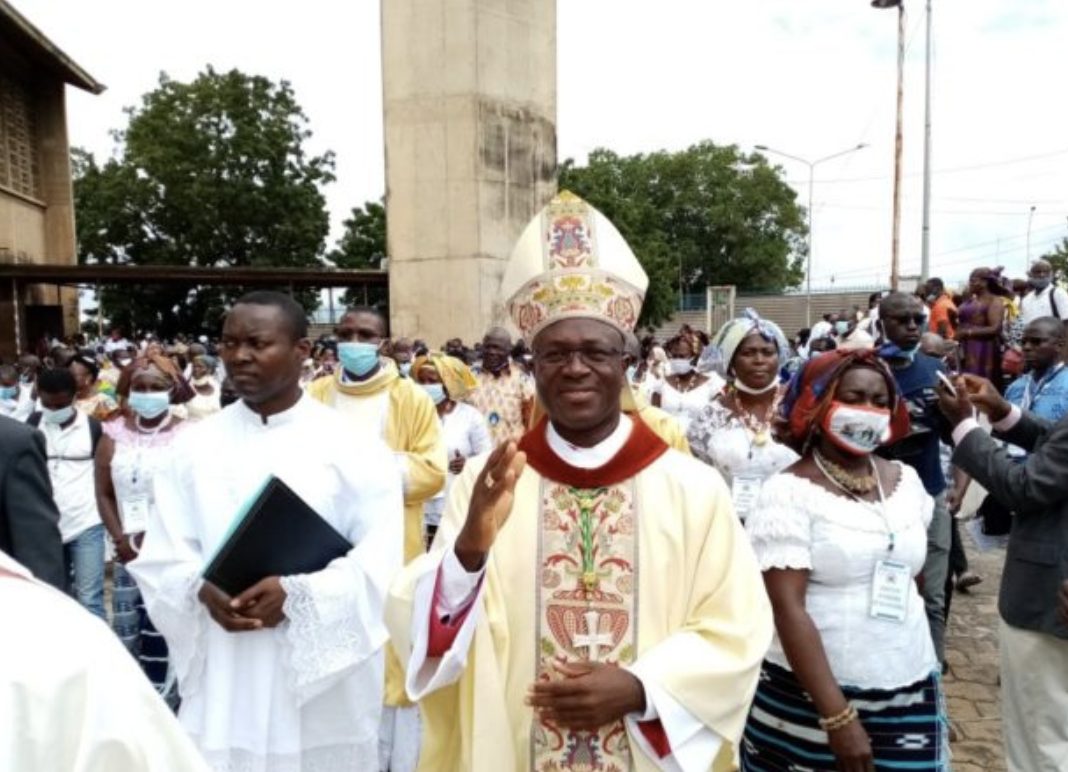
{"x":16,"y":31}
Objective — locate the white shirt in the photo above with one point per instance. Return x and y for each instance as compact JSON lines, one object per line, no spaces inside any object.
{"x":79,"y":700}
{"x":1036,"y":304}
{"x":21,"y":407}
{"x":797,"y":524}
{"x":686,"y":405}
{"x":306,"y":694}
{"x":465,"y":433}
{"x":71,"y":468}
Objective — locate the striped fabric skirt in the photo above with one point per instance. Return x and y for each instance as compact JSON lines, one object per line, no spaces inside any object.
{"x":907,"y":726}
{"x":130,"y":622}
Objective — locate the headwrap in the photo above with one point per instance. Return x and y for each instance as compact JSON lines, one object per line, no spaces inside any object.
{"x":998,"y":284}
{"x":815,"y":385}
{"x":455,"y":375}
{"x":731,"y":335}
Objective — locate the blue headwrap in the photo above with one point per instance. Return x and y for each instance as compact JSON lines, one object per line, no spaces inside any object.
{"x":731,"y":335}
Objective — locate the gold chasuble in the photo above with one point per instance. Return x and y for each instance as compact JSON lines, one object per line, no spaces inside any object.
{"x":400,"y":412}
{"x":639,"y":563}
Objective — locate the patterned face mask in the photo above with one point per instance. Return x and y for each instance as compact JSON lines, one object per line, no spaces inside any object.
{"x":854,"y":429}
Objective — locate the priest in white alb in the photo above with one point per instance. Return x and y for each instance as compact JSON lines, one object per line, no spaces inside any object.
{"x":287,"y":676}
{"x":591,"y":601}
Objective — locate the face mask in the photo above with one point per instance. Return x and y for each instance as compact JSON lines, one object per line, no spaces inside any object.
{"x":1039,"y":284}
{"x":405,"y":368}
{"x":149,"y":404}
{"x":680,"y":366}
{"x":122,"y":363}
{"x":856,"y":430}
{"x":204,"y":380}
{"x":894,"y":351}
{"x":57,"y":417}
{"x":358,"y":358}
{"x":436,"y":392}
{"x":841,"y":327}
{"x":26,"y":380}
{"x":9,"y":392}
{"x":631,"y":371}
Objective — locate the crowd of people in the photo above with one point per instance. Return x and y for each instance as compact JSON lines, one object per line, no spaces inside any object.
{"x":580,"y":550}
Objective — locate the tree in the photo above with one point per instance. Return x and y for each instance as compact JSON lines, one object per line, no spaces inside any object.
{"x":363,"y":246}
{"x":1058,"y":258}
{"x":210,"y":173}
{"x":707,"y":215}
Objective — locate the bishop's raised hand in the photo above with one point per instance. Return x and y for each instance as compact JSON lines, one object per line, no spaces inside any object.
{"x":490,"y":506}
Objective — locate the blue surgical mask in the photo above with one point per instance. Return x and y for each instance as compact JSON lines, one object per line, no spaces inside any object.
{"x":149,"y":404}
{"x":894,"y":351}
{"x":1039,"y":284}
{"x":631,"y":371}
{"x":26,"y":380}
{"x":59,"y":416}
{"x":9,"y":392}
{"x":436,"y":392}
{"x":358,"y":358}
{"x":405,"y":368}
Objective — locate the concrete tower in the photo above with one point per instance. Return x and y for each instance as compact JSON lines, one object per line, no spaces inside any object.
{"x":469,"y":97}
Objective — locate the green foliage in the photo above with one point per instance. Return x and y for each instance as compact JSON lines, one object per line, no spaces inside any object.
{"x":1058,"y":258}
{"x":211,"y":173}
{"x":363,"y":246}
{"x":706,"y":215}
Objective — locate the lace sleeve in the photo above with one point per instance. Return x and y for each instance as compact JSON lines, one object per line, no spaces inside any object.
{"x":704,"y":428}
{"x":335,"y":616}
{"x":780,"y":527}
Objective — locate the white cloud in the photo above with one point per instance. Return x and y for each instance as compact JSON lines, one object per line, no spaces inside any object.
{"x":809,"y":77}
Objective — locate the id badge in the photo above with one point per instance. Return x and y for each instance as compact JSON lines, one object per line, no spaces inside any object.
{"x":134,"y":513}
{"x":744,"y":492}
{"x":890,"y":588}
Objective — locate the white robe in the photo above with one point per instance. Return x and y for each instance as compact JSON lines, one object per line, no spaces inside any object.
{"x":306,"y":694}
{"x":71,"y":697}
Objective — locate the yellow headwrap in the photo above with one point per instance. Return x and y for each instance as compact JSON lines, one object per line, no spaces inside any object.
{"x":457,"y":377}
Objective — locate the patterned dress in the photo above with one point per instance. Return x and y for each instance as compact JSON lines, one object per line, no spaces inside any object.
{"x":980,"y":356}
{"x":500,"y":398}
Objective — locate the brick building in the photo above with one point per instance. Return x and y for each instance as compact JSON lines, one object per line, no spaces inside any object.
{"x":36,"y":200}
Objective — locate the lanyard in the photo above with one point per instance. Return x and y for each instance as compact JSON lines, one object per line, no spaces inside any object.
{"x":879,"y":509}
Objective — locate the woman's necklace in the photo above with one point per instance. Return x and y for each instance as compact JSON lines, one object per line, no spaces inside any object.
{"x":689,"y":384}
{"x":760,"y":427}
{"x":854,"y":484}
{"x":829,"y":469}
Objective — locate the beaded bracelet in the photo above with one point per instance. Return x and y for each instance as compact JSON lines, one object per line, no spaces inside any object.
{"x":839,"y":720}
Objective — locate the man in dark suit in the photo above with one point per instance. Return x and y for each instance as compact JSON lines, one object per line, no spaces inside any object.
{"x":1034,"y":632}
{"x":29,"y":521}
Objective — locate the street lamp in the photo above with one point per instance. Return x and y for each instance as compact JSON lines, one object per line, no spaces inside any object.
{"x":811,"y":185}
{"x":1030,"y":217}
{"x":895,"y":243}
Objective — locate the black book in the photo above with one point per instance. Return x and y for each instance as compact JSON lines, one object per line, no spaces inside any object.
{"x":276,"y":534}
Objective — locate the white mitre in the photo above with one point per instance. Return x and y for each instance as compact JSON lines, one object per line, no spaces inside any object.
{"x":572,"y":263}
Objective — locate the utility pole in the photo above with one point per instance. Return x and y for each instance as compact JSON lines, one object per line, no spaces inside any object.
{"x":925,"y":250}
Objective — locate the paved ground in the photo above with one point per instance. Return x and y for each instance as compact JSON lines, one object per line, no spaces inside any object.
{"x":971,"y":684}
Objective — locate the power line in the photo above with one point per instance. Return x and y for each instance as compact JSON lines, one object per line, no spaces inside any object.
{"x":947,"y":170}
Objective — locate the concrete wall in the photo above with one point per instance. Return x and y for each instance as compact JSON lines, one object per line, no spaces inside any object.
{"x":469,"y":95}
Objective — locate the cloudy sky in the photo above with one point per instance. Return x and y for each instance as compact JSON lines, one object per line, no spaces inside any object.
{"x":808,"y":77}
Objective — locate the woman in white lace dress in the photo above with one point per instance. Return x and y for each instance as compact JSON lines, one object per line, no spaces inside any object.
{"x":131,"y":451}
{"x":732,"y":433}
{"x":851,"y":680}
{"x":684,"y":391}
